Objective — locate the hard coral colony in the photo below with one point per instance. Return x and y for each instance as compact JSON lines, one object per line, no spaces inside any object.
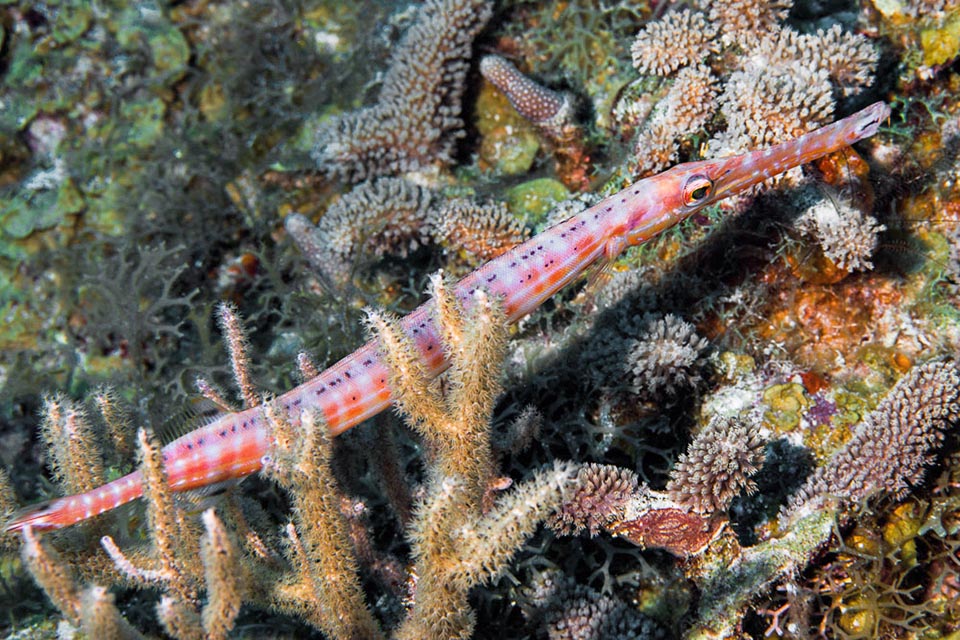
{"x":434,"y":531}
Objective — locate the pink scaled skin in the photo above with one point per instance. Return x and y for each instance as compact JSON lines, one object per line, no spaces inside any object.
{"x":354,"y":389}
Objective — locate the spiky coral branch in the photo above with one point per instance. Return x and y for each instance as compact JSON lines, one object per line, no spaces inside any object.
{"x":456,"y":544}
{"x":417,"y":115}
{"x":75,"y":456}
{"x":326,"y":587}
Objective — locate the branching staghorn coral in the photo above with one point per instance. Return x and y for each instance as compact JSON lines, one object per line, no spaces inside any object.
{"x":380,"y":216}
{"x":325,"y":586}
{"x":480,"y":231}
{"x":892,"y":446}
{"x":393,"y":216}
{"x":772,"y":82}
{"x":416,"y":118}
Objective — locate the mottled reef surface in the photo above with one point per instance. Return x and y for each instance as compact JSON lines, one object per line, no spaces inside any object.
{"x":747,"y":427}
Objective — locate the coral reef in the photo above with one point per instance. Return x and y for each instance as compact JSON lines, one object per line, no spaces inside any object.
{"x":798,"y":478}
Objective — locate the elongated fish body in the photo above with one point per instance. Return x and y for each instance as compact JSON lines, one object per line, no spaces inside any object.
{"x":355,"y":388}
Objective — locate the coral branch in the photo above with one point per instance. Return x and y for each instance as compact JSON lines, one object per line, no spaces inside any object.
{"x":892,"y":445}
{"x":417,"y":115}
{"x":545,"y":108}
{"x":236,"y":341}
{"x":76,"y":459}
{"x":224,"y":578}
{"x":326,"y":590}
{"x":52,"y":574}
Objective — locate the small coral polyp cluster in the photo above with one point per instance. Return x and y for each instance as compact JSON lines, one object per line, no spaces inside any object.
{"x":744,"y":428}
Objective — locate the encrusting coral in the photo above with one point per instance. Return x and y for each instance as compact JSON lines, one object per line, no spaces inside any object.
{"x":416,"y":117}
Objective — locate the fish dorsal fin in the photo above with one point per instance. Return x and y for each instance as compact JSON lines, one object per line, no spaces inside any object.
{"x":196,"y":501}
{"x":197,"y":413}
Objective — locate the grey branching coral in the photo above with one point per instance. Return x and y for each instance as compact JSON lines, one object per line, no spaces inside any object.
{"x":379,"y":217}
{"x":717,"y":466}
{"x":481,"y":231}
{"x":773,"y":82}
{"x":846,"y":236}
{"x":686,"y":107}
{"x":393,"y":216}
{"x":892,"y":446}
{"x":599,"y":497}
{"x":667,"y":358}
{"x":888,"y":452}
{"x":744,"y":20}
{"x":416,"y":118}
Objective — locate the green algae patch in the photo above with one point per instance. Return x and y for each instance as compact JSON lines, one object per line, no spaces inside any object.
{"x":533,"y":200}
{"x":146,"y":122}
{"x":30,"y":211}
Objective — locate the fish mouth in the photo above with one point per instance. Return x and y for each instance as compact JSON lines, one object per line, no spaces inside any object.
{"x":738,"y":173}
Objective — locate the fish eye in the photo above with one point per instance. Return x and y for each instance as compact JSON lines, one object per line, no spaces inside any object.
{"x":696,"y":189}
